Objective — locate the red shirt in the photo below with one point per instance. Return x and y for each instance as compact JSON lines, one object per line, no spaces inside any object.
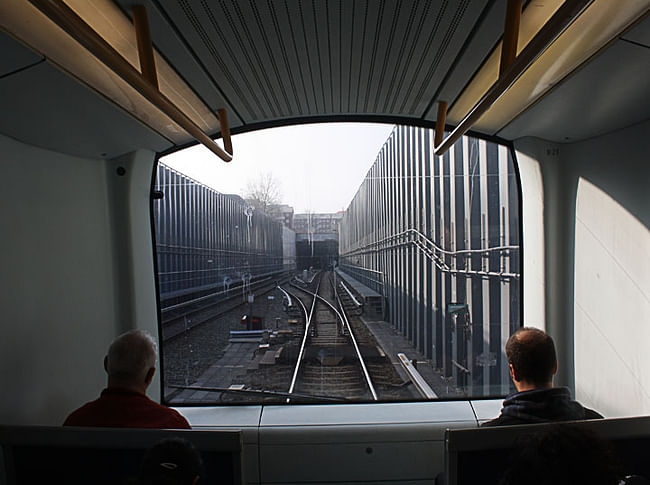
{"x":121,"y":408}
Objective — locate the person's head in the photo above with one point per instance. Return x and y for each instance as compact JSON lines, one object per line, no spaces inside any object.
{"x":532,"y":358}
{"x":172,"y":461}
{"x":131,"y":360}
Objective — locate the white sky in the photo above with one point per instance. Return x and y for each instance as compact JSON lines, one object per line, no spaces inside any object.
{"x":319,"y":166}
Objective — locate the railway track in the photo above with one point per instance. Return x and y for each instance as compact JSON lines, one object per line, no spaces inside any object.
{"x":182,"y":318}
{"x":322,"y":352}
{"x":338,"y":356}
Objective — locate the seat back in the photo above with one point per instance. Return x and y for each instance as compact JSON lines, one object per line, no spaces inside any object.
{"x":37,"y":454}
{"x":481,"y":455}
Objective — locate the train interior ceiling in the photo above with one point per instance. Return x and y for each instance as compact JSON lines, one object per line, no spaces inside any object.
{"x":81,"y":134}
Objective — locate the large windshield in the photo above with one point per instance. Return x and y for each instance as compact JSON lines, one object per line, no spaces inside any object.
{"x":337,"y":263}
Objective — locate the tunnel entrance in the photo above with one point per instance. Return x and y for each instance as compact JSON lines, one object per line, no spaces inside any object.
{"x":316,"y":254}
{"x":317,"y":240}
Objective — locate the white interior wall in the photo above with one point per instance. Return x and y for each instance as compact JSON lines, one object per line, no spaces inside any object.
{"x":612,"y":271}
{"x":547,"y":208}
{"x":77,"y":270}
{"x":56,"y":290}
{"x":532,"y":213}
{"x":596,"y":280}
{"x":130,"y":219}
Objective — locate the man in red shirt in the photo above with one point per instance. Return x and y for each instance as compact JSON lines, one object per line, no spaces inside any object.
{"x":130,"y":365}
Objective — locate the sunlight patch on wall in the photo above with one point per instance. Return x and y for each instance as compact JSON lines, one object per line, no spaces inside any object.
{"x":612,"y":305}
{"x":532,"y":207}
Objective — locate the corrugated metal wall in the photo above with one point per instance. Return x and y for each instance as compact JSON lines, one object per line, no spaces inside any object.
{"x":439,"y":237}
{"x":205,"y":239}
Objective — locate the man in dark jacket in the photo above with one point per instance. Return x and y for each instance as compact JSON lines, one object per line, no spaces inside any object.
{"x":533,"y":363}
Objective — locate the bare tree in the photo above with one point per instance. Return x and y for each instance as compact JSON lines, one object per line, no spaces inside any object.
{"x":264,"y":192}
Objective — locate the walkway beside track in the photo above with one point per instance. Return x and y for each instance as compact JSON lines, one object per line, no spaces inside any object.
{"x":373,"y":302}
{"x":357,"y":286}
{"x":392,"y":343}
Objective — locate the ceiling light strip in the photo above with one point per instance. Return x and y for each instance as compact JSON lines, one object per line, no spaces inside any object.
{"x":556,"y":25}
{"x":77,"y":28}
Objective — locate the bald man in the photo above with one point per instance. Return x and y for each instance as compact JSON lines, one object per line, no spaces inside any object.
{"x":130,"y":365}
{"x":533,"y":363}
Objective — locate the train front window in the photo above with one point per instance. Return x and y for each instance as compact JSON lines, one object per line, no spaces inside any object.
{"x":337,"y":263}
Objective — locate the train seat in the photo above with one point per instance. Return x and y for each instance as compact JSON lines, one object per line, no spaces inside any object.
{"x":40,"y":454}
{"x":480,"y":455}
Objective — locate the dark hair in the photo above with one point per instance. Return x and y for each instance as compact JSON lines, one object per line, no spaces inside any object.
{"x":532,"y":354}
{"x":562,"y":454}
{"x":172,"y":461}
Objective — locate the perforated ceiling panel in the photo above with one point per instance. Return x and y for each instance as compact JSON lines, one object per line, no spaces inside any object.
{"x":286,"y":59}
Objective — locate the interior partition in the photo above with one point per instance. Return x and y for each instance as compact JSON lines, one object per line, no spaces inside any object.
{"x":61,"y":273}
{"x":612,"y":270}
{"x":596,"y":251}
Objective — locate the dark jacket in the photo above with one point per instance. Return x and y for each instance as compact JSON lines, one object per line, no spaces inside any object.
{"x":541,"y":406}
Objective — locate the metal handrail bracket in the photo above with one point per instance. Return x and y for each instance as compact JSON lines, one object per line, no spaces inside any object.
{"x":144,"y":83}
{"x":552,"y":29}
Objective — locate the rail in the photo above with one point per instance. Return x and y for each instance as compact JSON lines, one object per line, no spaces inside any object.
{"x":360,"y":273}
{"x":356,"y":302}
{"x":199,"y":251}
{"x":230,"y":290}
{"x":416,"y":378}
{"x":184,"y":316}
{"x":344,"y":324}
{"x":436,"y":254}
{"x":303,"y":344}
{"x":287,"y":295}
{"x":342,"y":315}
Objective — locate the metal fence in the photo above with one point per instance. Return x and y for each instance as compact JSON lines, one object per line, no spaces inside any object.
{"x":444,"y":232}
{"x":206,"y":240}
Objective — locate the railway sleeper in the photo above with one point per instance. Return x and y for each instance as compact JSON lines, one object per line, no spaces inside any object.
{"x":370,"y":353}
